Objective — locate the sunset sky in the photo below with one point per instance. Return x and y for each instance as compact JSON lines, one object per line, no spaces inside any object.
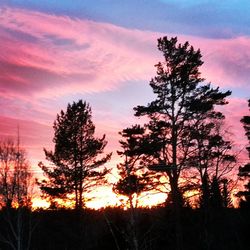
{"x":104,"y":51}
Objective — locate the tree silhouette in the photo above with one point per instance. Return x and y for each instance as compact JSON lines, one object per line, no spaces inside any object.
{"x":135,"y":177}
{"x":15,"y":175}
{"x":180,"y":103}
{"x":76,"y":166}
{"x":16,"y":184}
{"x":244,"y":172}
{"x":213,"y":158}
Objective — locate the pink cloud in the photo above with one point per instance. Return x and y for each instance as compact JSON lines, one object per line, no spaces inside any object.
{"x":234,"y":111}
{"x":58,"y":55}
{"x":45,"y":57}
{"x":227,"y":62}
{"x":80,"y":55}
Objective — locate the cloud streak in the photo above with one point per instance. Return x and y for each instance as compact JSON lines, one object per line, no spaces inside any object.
{"x":78,"y":54}
{"x":46,"y":54}
{"x":45,"y":58}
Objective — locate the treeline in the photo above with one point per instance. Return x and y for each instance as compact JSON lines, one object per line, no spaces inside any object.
{"x":183,"y":149}
{"x":108,"y":228}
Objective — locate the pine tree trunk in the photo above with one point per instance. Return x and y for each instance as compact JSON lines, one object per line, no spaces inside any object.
{"x":177,"y":204}
{"x":177,"y":199}
{"x":133,"y":233}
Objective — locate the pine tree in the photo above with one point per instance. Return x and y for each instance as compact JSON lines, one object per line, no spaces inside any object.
{"x":180,"y":103}
{"x":76,"y":165}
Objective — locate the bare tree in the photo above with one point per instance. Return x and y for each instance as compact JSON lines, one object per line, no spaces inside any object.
{"x":15,"y":175}
{"x":15,"y":195}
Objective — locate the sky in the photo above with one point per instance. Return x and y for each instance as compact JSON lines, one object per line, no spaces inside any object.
{"x":104,"y":51}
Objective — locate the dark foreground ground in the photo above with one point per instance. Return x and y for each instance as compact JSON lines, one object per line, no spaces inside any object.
{"x":111,"y":229}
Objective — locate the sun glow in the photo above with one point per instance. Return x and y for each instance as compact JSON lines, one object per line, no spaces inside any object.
{"x":40,"y":203}
{"x":152,"y":199}
{"x":104,"y":197}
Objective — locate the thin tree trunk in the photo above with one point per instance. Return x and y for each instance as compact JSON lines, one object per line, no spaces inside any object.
{"x":80,"y":188}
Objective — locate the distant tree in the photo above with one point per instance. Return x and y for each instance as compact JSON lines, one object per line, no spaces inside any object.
{"x":15,"y":175}
{"x":179,"y":105}
{"x":135,"y":177}
{"x":213,"y":158}
{"x":226,"y":195}
{"x":134,"y":174}
{"x":16,"y":186}
{"x":76,"y":165}
{"x":244,"y":171}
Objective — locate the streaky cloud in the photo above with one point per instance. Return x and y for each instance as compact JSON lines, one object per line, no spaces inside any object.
{"x":46,"y":58}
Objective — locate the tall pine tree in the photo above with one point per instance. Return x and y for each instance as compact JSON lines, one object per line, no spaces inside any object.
{"x":180,"y":103}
